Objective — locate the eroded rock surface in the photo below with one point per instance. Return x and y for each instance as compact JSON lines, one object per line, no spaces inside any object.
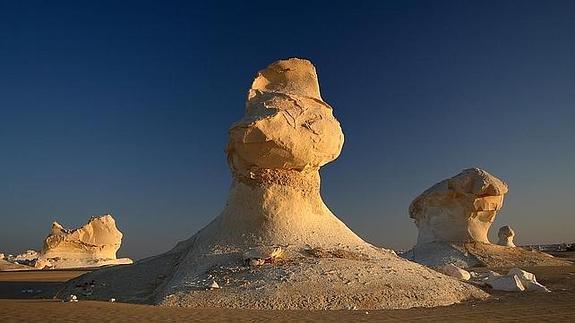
{"x":94,"y":244}
{"x":275,"y":152}
{"x":461,"y":208}
{"x":453,"y":218}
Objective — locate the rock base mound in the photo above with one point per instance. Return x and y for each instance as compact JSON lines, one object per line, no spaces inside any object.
{"x":477,"y":254}
{"x":303,"y":279}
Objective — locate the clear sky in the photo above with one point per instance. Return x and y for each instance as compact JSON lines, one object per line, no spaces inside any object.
{"x":124,"y":106}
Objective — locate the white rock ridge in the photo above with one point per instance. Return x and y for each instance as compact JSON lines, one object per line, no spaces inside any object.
{"x":93,"y":245}
{"x":505,"y":235}
{"x":276,"y":245}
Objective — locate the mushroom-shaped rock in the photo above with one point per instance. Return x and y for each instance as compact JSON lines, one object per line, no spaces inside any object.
{"x":258,"y":248}
{"x":505,"y":236}
{"x":94,"y":244}
{"x":461,"y":208}
{"x":453,"y":218}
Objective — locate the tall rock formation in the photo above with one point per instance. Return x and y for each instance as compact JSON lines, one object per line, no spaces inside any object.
{"x":276,"y":245}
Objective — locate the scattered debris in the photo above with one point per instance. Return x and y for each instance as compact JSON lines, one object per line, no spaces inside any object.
{"x":454,"y":271}
{"x":214,"y":285}
{"x":259,"y":256}
{"x":72,"y":298}
{"x":507,"y":283}
{"x":528,"y":280}
{"x":336,"y":253}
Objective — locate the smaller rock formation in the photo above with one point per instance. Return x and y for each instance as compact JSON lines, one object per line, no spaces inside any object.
{"x":461,"y":208}
{"x":528,"y":280}
{"x":516,"y":280}
{"x":507,"y":284}
{"x":506,"y":235}
{"x":93,"y":245}
{"x":454,"y":217}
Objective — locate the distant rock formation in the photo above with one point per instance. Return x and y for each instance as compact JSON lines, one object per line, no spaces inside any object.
{"x":27,"y":258}
{"x":505,"y":236}
{"x":453,"y":218}
{"x":458,"y":209}
{"x":276,"y":245}
{"x":93,"y":245}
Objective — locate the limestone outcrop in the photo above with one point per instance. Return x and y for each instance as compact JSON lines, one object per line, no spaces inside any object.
{"x":276,"y":245}
{"x":505,"y":235}
{"x":93,"y":245}
{"x":453,"y":218}
{"x":516,"y":280}
{"x":460,"y":209}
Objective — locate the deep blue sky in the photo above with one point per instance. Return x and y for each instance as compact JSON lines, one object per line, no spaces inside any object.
{"x":123,"y":107}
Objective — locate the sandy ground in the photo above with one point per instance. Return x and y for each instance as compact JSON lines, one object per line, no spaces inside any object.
{"x":558,"y":306}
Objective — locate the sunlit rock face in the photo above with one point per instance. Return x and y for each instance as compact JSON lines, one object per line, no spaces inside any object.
{"x":94,"y":244}
{"x":275,"y":151}
{"x":287,"y":126}
{"x":505,"y":235}
{"x":459,"y":209}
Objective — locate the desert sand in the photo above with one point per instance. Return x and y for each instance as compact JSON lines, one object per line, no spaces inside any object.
{"x":556,"y":306}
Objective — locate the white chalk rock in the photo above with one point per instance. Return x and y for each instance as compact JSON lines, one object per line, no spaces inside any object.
{"x":528,"y":280}
{"x":214,"y":285}
{"x":505,"y":236}
{"x":94,"y":244}
{"x":72,"y":298}
{"x":506,"y":283}
{"x":458,"y":209}
{"x":454,"y":271}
